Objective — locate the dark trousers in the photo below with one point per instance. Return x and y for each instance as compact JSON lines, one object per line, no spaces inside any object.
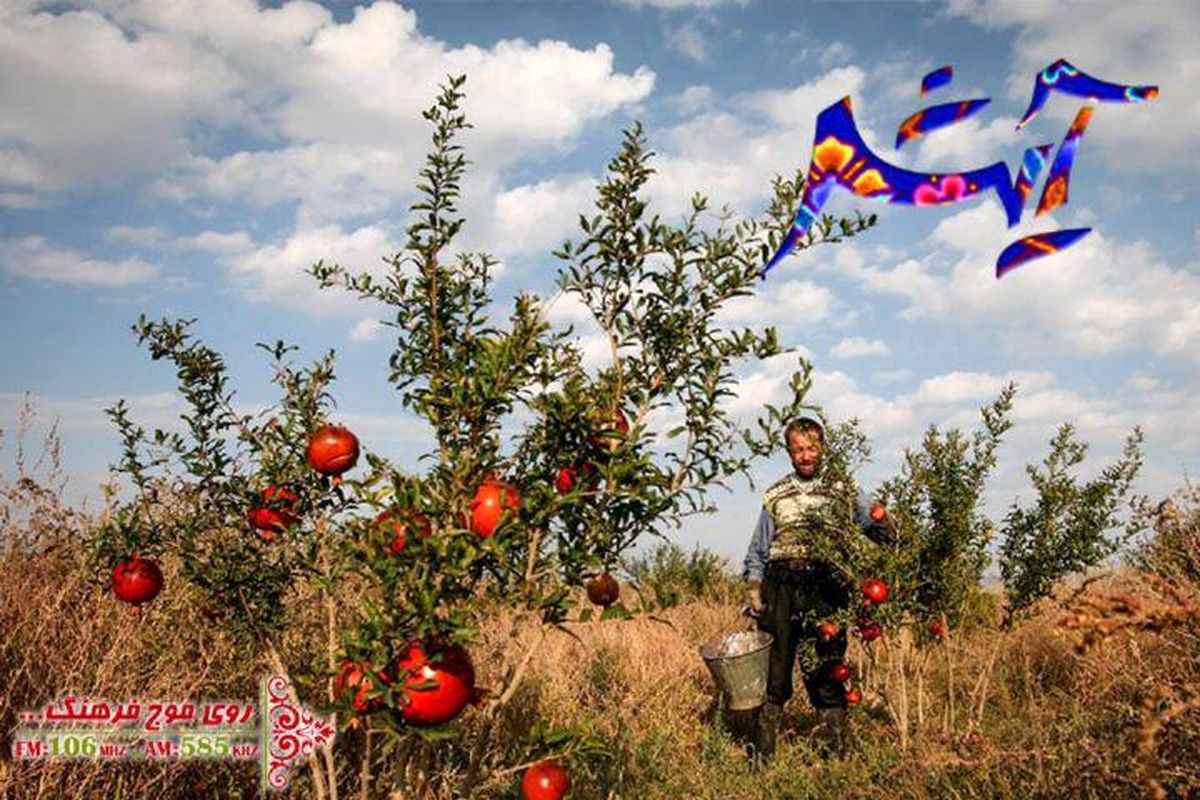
{"x":797,"y":599}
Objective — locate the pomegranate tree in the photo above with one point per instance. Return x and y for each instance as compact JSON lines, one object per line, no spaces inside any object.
{"x":509,"y":404}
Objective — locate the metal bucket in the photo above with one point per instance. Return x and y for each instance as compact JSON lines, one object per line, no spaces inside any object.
{"x":738,"y":663}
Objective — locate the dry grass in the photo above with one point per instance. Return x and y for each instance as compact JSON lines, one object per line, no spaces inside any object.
{"x":1096,"y":696}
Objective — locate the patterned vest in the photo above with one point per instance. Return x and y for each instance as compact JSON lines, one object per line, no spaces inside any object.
{"x":789,"y":501}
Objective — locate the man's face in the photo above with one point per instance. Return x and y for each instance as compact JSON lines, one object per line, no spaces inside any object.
{"x":805,"y":450}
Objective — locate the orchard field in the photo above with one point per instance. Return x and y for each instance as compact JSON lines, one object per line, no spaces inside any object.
{"x":486,"y":620}
{"x":1005,"y":713}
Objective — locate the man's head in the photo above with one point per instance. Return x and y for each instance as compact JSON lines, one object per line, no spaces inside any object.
{"x":805,"y":441}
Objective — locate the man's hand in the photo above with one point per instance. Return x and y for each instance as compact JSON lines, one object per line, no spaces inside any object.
{"x":754,"y":598}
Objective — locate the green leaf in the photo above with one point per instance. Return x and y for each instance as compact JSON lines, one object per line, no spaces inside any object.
{"x":615,"y":611}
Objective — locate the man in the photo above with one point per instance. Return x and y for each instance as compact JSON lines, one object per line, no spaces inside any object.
{"x":790,"y":592}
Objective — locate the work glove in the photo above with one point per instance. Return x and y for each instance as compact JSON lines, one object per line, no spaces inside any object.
{"x":754,"y":598}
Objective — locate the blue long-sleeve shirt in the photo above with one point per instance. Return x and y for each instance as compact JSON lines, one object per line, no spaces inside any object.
{"x":764,"y":533}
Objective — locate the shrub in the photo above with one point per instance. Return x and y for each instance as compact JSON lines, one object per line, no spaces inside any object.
{"x":675,"y":575}
{"x":1066,"y":530}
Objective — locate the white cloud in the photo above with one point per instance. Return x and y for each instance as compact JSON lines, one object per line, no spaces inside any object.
{"x":367,"y":330}
{"x":538,"y":217}
{"x":799,"y":105}
{"x":215,"y":242}
{"x":566,"y":308}
{"x":20,"y":200}
{"x":793,"y":303}
{"x":149,"y":85}
{"x":139,"y":235}
{"x":1129,"y":43}
{"x":1098,"y":297}
{"x":330,"y":180}
{"x":881,"y":417}
{"x":693,"y":99}
{"x":858,"y":347}
{"x":595,"y":350}
{"x":85,"y":415}
{"x":971,"y":144}
{"x":154,"y":237}
{"x":731,"y":153}
{"x":85,"y":103}
{"x":34,"y":258}
{"x":767,"y":383}
{"x":275,"y":273}
{"x":689,"y":40}
{"x":893,"y":375}
{"x":834,"y":54}
{"x":958,"y":387}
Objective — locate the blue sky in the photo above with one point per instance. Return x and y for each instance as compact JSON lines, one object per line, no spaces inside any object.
{"x":192,"y":159}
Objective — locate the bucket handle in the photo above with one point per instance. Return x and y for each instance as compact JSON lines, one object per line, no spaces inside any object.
{"x":746,"y":618}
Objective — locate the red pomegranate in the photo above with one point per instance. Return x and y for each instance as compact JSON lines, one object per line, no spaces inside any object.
{"x":580,"y":476}
{"x":277,"y":513}
{"x":491,"y":500}
{"x":137,"y":581}
{"x":827,"y":630}
{"x":564,"y":480}
{"x":353,"y":678}
{"x":840,"y":672}
{"x":853,"y":696}
{"x":610,"y":431}
{"x":869,"y":631}
{"x":332,"y":450}
{"x":545,"y":780}
{"x":875,"y":590}
{"x":399,"y":529}
{"x":436,"y":686}
{"x":877,"y":513}
{"x":938,"y":629}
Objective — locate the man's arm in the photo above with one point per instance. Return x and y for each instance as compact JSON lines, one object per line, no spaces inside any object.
{"x":760,"y":547}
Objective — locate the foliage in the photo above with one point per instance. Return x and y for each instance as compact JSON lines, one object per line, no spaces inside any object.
{"x":655,"y":291}
{"x":674,"y":575}
{"x":1173,"y":549}
{"x":229,"y":459}
{"x":1066,"y":530}
{"x":936,"y":503}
